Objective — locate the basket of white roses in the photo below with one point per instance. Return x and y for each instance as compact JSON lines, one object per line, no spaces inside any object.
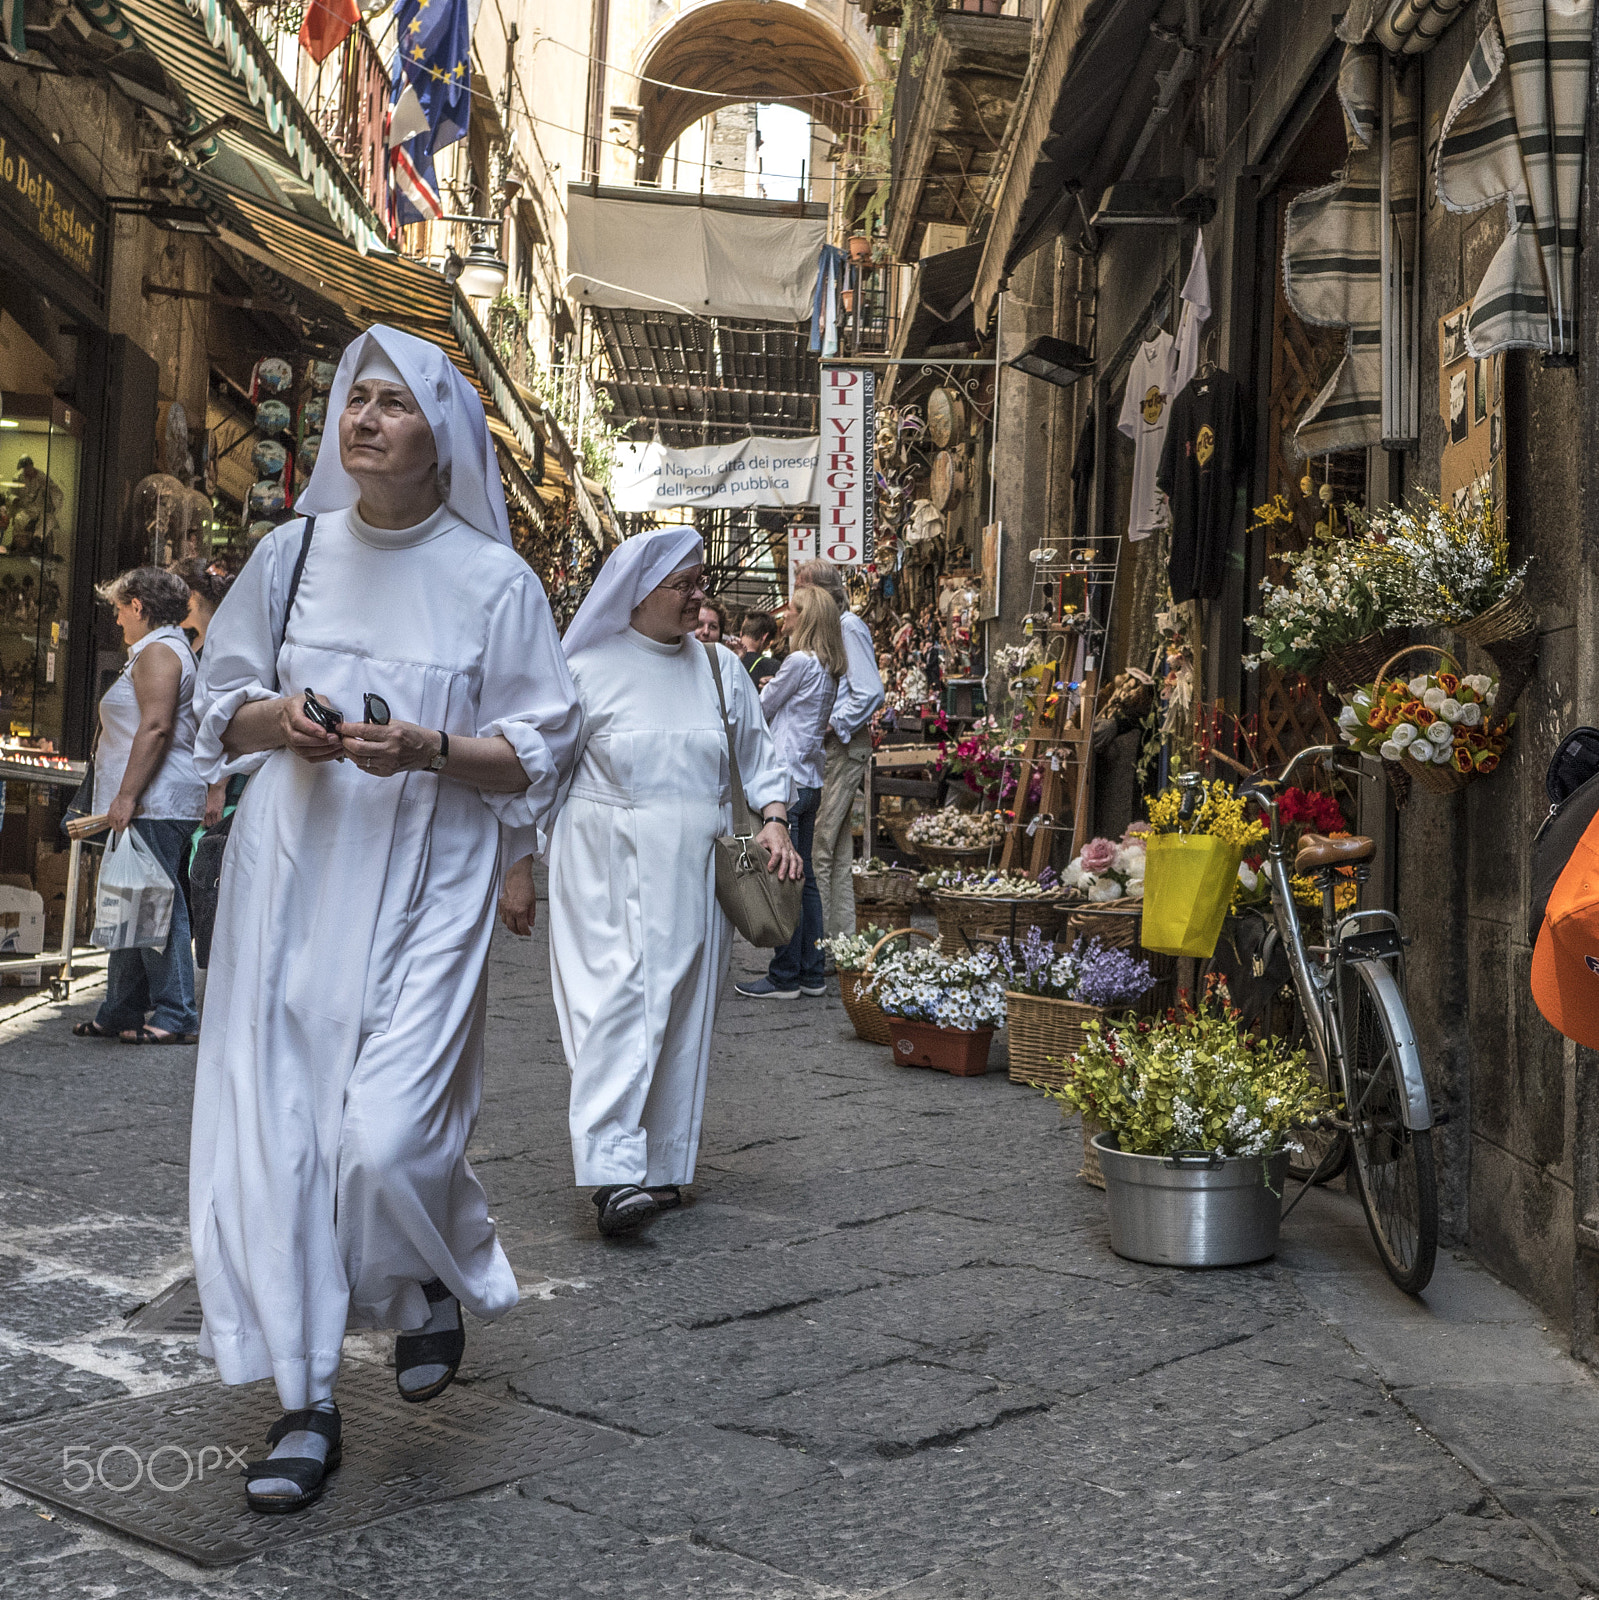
{"x":1439,"y":727}
{"x":941,"y":1010}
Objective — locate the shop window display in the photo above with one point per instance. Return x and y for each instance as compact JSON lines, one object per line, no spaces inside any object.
{"x":40,"y":447}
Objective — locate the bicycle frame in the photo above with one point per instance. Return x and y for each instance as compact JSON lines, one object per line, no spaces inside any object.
{"x":1319,"y":986}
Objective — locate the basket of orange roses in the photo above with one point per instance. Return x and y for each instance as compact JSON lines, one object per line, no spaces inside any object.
{"x":1438,"y":726}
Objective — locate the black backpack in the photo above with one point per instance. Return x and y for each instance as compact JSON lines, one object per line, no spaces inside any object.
{"x":1572,"y":783}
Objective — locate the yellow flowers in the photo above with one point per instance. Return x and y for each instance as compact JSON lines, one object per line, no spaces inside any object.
{"x":1221,"y":814}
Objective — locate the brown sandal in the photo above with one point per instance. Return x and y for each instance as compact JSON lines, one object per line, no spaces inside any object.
{"x":143,"y":1035}
{"x":93,"y":1030}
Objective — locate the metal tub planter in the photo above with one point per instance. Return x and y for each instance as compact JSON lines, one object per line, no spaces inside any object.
{"x":1192,"y":1210}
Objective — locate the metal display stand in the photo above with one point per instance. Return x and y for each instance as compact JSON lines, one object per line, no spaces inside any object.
{"x":24,"y":766}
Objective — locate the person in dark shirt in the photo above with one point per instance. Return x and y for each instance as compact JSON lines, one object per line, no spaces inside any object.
{"x":1203,"y":463}
{"x":756,"y":633}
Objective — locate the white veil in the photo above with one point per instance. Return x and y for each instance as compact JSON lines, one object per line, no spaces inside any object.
{"x":469,"y":472}
{"x":635,"y":567}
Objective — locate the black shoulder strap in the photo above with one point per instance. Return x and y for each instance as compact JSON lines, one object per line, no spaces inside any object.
{"x":294,"y":580}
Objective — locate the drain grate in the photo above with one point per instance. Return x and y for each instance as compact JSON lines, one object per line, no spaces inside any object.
{"x":165,"y":1467}
{"x":176,"y":1310}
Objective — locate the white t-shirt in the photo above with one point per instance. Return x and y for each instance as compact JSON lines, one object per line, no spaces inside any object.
{"x":1145,"y":413}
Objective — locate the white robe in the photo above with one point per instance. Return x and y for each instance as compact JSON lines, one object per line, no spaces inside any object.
{"x":638,"y":945}
{"x":341,"y":1049}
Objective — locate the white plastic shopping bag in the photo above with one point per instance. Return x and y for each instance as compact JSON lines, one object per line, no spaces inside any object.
{"x":134,"y":909}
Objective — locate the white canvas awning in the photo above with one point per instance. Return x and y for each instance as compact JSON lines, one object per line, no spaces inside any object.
{"x":636,"y":249}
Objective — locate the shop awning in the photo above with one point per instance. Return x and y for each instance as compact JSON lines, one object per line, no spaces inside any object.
{"x":940,"y":315}
{"x":1091,"y":51}
{"x":362,"y":290}
{"x":256,"y":137}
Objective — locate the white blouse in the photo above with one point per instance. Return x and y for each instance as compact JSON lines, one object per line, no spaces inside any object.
{"x":175,"y":791}
{"x":798,"y":703}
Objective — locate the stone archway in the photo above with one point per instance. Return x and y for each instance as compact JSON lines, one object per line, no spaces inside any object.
{"x":740,"y":50}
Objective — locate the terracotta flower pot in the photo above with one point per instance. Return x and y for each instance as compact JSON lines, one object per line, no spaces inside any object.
{"x":860,"y":248}
{"x":952,"y":1050}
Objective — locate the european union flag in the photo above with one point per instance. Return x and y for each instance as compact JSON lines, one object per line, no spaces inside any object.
{"x":433,"y":62}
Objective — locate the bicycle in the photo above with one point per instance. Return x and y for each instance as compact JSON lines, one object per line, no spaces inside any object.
{"x":1349,"y":1013}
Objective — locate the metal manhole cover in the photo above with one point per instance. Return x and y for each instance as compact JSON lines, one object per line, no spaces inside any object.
{"x":165,"y":1467}
{"x":176,"y":1310}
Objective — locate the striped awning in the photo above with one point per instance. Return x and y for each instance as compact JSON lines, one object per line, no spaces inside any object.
{"x":1514,"y":134}
{"x":228,"y":83}
{"x":1334,"y":256}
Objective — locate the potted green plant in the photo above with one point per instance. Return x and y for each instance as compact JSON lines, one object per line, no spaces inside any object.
{"x":941,"y":1010}
{"x":1199,"y":1119}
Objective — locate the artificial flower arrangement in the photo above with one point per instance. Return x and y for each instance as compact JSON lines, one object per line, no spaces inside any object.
{"x":1109,"y":869}
{"x":851,"y":952}
{"x":1436,"y":718}
{"x":987,"y":760}
{"x":1300,"y":811}
{"x":1192,"y":1082}
{"x":1337,"y":590}
{"x":1087,"y":972}
{"x":992,"y":885}
{"x":954,"y":829}
{"x":1220,"y":813}
{"x":1443,"y":564}
{"x":963,"y":993}
{"x":872,"y":867}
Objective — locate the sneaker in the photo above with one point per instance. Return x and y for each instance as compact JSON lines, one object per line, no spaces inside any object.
{"x":765,"y":989}
{"x":815,"y":991}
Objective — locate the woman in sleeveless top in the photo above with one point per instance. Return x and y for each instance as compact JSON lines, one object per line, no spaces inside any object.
{"x":144,"y":778}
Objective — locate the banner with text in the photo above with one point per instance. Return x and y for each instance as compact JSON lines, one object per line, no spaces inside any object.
{"x":801,"y":547}
{"x":751,"y":472}
{"x":846,"y":472}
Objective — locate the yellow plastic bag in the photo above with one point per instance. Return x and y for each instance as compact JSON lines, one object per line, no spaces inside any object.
{"x":1188,"y":883}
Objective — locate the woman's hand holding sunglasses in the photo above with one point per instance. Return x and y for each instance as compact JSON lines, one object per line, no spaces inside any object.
{"x":386,"y":748}
{"x":312,"y":738}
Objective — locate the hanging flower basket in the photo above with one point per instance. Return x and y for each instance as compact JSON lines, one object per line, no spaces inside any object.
{"x":1351,"y":665}
{"x":1442,"y":728}
{"x":1506,"y":619}
{"x":961,"y":1053}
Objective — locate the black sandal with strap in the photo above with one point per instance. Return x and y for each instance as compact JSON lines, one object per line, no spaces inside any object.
{"x":624,"y":1208}
{"x":306,"y":1472}
{"x":412,"y":1350}
{"x":93,"y":1030}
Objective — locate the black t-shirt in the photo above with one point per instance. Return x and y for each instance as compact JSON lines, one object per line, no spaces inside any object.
{"x":1203,"y":462}
{"x":760,"y":667}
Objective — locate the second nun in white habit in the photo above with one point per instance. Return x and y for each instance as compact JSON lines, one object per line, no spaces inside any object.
{"x":639,"y":946}
{"x":341,"y":1049}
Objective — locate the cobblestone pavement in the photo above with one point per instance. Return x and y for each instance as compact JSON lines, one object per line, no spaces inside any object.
{"x":886,"y":1351}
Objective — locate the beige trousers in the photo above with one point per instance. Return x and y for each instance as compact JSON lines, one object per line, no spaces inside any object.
{"x":833,"y":848}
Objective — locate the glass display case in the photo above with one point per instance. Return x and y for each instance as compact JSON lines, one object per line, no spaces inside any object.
{"x":40,"y":447}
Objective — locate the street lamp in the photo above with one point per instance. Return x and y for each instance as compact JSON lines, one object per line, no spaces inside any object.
{"x":483,"y":273}
{"x":1054,"y":360}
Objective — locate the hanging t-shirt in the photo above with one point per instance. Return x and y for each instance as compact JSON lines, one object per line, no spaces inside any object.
{"x":1196,"y":313}
{"x":1145,"y":413}
{"x":1203,"y":462}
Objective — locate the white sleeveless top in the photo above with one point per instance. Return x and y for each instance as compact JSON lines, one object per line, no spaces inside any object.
{"x":176,"y":791}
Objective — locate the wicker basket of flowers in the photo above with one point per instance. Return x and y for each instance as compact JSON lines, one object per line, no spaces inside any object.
{"x":854,"y":955}
{"x":980,"y":909}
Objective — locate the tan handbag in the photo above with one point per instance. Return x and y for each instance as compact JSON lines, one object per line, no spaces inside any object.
{"x":762,"y":906}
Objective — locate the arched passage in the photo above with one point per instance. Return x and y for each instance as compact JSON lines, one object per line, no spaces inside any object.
{"x":742,"y":50}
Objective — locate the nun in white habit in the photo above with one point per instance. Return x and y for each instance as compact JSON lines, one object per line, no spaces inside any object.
{"x":638,"y":944}
{"x":341,"y":1049}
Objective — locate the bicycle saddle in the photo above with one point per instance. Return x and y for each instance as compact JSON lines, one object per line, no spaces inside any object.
{"x":1317,"y":850}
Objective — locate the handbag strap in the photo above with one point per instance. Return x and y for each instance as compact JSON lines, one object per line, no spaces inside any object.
{"x":744,"y":824}
{"x":294,"y":585}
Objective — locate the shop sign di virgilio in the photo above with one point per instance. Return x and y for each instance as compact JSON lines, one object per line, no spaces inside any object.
{"x":53,"y":208}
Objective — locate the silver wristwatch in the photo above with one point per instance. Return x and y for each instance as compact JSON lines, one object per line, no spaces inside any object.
{"x":437,"y":763}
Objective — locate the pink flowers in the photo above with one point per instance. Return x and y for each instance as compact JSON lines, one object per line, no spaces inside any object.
{"x":1099,"y":855}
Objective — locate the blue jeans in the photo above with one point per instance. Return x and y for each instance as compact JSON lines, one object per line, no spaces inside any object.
{"x":156,"y":985}
{"x":799,"y":961}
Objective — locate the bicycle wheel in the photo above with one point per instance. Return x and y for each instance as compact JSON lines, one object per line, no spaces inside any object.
{"x":1394,"y":1164}
{"x":1324,"y":1152}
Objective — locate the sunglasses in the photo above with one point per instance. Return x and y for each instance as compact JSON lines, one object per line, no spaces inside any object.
{"x":374,"y":710}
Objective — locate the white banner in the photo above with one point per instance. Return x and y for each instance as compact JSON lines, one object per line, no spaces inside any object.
{"x":752,"y":472}
{"x":847,"y":471}
{"x":801,"y":547}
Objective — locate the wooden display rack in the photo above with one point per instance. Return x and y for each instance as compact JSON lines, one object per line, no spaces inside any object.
{"x":1061,"y":741}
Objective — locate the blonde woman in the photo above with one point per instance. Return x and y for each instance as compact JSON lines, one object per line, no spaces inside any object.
{"x":798,"y":703}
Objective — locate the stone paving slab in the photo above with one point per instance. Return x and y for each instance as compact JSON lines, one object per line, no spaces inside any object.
{"x":886,"y":1351}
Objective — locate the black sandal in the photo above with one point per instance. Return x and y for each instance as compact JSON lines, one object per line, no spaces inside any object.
{"x":309,"y":1474}
{"x":145,"y":1035}
{"x":93,"y":1030}
{"x":624,"y":1208}
{"x":667,"y":1196}
{"x":413,"y":1350}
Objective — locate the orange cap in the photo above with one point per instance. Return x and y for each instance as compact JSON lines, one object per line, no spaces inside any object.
{"x":1565,"y":962}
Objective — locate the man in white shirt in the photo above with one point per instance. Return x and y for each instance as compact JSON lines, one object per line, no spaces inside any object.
{"x":848,"y":747}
